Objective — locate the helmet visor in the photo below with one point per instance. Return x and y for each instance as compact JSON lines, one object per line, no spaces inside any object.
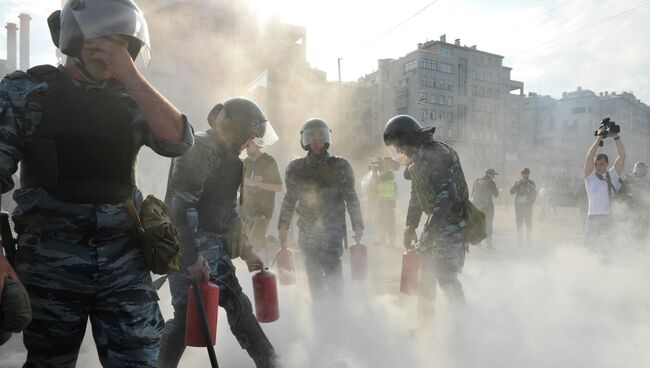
{"x":316,"y":135}
{"x":269,"y":136}
{"x":102,"y":18}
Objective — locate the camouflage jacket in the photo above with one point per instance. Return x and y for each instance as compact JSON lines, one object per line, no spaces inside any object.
{"x":37,"y":211}
{"x":438,"y":186}
{"x":320,"y":188}
{"x":202,"y":195}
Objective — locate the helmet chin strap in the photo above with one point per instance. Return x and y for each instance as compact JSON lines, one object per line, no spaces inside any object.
{"x":79,"y":64}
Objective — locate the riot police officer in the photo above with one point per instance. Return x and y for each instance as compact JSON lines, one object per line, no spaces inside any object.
{"x":438,"y":189}
{"x":202,"y":193}
{"x":76,"y":130}
{"x":319,"y":187}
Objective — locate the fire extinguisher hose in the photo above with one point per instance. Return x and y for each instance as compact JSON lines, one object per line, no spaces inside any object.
{"x":204,"y":324}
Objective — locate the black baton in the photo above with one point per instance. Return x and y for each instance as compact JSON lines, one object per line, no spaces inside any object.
{"x":204,"y":323}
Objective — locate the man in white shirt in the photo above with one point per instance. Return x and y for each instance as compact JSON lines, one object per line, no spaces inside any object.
{"x":602,"y":183}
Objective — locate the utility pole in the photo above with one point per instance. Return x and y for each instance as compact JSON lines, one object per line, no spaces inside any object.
{"x":338,"y":61}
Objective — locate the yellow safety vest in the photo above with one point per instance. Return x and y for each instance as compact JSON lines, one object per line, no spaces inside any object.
{"x":387,"y":190}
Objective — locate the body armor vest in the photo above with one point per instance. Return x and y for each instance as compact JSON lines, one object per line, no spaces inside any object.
{"x":219,"y":196}
{"x":83,"y":149}
{"x":320,"y":188}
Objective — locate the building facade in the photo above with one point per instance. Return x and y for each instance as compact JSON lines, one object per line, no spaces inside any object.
{"x":466,"y":93}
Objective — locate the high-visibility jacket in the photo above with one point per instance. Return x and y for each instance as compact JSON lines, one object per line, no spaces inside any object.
{"x":387,"y":190}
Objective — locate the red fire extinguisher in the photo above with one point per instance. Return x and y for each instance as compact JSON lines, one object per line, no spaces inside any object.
{"x":286,"y":268}
{"x":411,"y":262}
{"x":194,"y":334}
{"x":265,"y":292}
{"x":359,"y":261}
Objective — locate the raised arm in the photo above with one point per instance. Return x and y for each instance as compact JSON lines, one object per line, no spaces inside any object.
{"x":619,"y":164}
{"x":165,"y":121}
{"x":591,"y":154}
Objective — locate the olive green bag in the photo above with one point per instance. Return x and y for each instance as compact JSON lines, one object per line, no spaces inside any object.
{"x":473,"y":223}
{"x":159,"y":237}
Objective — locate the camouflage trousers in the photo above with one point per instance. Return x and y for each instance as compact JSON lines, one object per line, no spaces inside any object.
{"x":322,"y":246}
{"x":105,"y":280}
{"x":443,"y":260}
{"x":239,"y":310}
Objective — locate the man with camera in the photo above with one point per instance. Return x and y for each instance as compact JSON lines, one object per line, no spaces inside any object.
{"x":602,"y":182}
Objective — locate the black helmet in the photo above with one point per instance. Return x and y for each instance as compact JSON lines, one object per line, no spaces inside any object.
{"x":315,"y":130}
{"x":85,"y":19}
{"x":242,"y":118}
{"x":403,"y":130}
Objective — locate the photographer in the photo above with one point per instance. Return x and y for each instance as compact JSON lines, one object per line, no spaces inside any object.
{"x":602,"y":183}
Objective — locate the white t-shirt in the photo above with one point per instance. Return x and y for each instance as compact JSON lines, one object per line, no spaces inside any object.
{"x":598,"y":192}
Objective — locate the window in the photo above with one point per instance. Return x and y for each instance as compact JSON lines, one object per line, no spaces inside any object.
{"x":450,"y":101}
{"x":412,"y":65}
{"x":490,"y":92}
{"x":424,"y":82}
{"x":450,"y":117}
{"x":422,"y":97}
{"x":433,"y":115}
{"x":441,"y":99}
{"x":474,"y":74}
{"x":482,"y":91}
{"x":579,"y":110}
{"x":474,"y":90}
{"x":449,"y":86}
{"x":440,"y":113}
{"x":447,"y":51}
{"x":423,"y":113}
{"x":428,"y":64}
{"x":446,"y":68}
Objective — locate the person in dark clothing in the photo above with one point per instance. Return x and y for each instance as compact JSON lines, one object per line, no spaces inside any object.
{"x":483,"y":192}
{"x":525,"y":193}
{"x":438,"y":189}
{"x":319,"y":189}
{"x":261,"y":181}
{"x":202,"y":194}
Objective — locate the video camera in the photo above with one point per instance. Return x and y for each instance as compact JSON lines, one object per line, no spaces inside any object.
{"x":610,"y":127}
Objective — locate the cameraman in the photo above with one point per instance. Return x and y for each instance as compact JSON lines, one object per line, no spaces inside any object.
{"x":602,"y":183}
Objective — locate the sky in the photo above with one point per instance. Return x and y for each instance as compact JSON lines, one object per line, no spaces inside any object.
{"x":610,"y":56}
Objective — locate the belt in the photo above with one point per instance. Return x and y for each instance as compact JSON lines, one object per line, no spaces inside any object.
{"x":85,"y":239}
{"x":211,"y":235}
